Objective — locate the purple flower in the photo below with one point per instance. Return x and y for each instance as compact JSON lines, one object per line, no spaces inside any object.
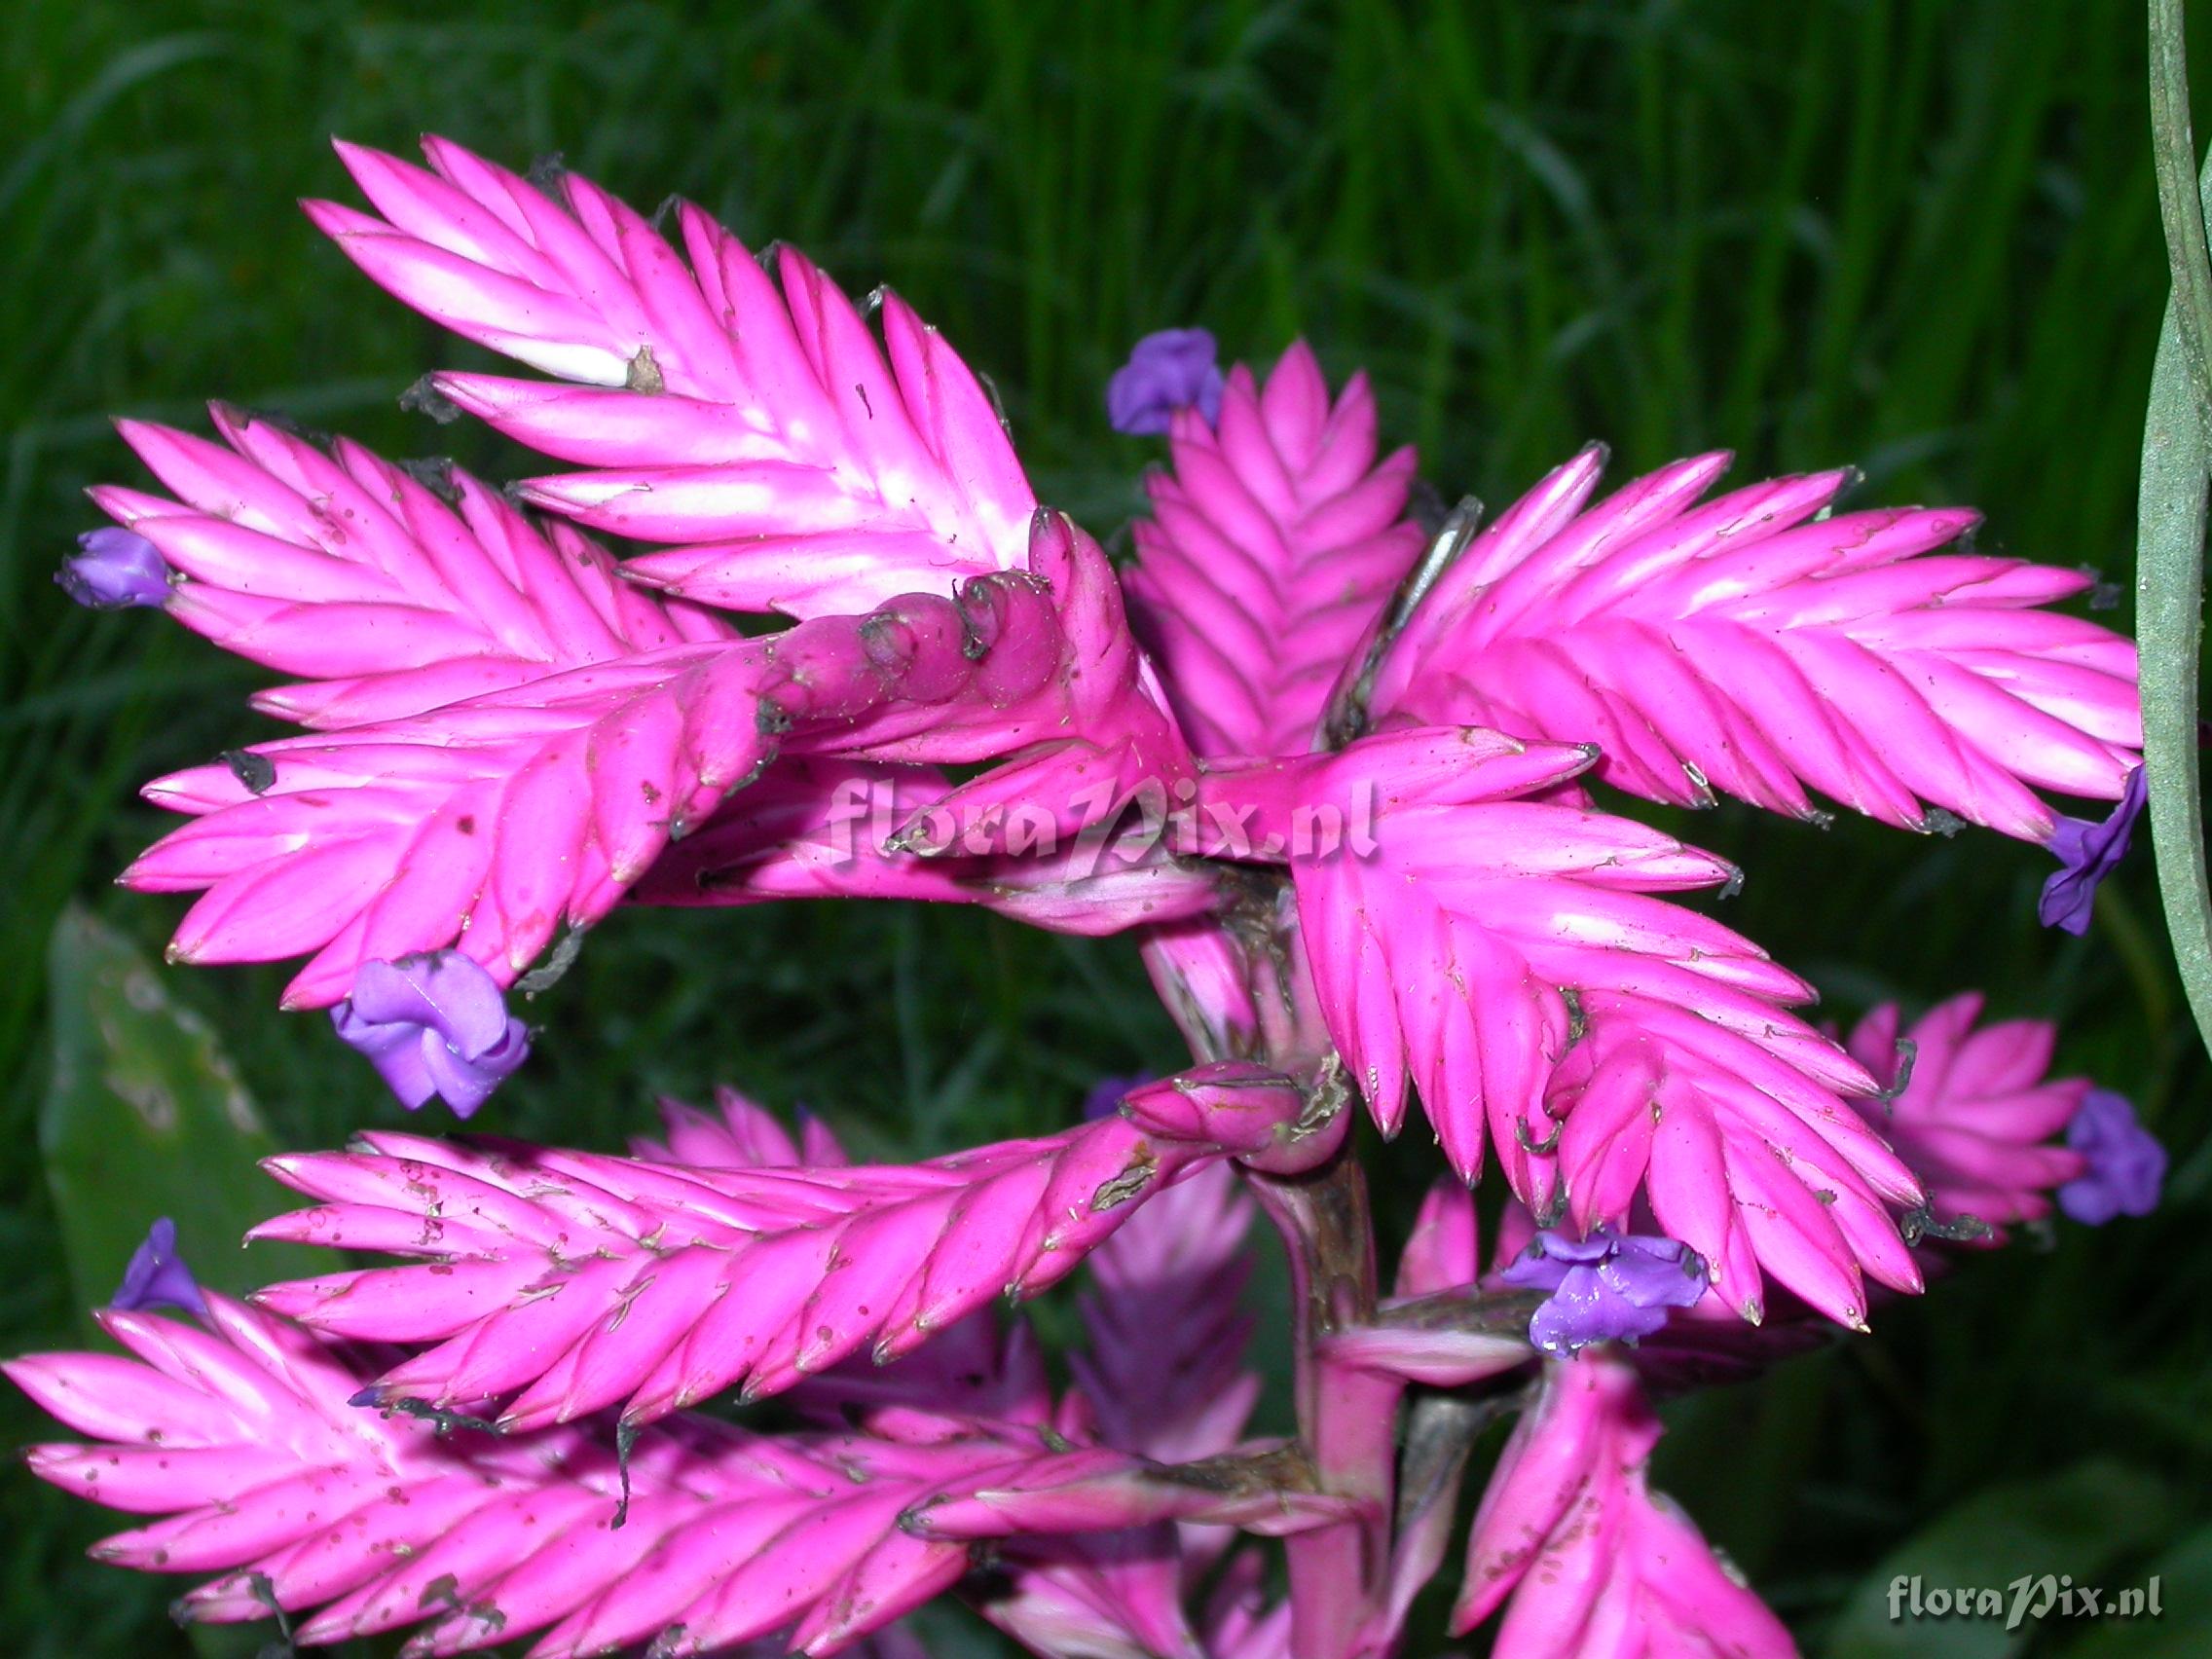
{"x":1105,"y":1096}
{"x":433,"y":1024}
{"x":1170,"y":370}
{"x":2088,"y":852}
{"x":2126,"y":1162}
{"x":157,"y":1276}
{"x":116,"y":569}
{"x":1608,"y":1287}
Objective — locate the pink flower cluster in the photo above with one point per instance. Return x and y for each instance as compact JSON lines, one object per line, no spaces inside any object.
{"x":508,"y":731}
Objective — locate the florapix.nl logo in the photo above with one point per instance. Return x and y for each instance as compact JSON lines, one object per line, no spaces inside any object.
{"x":2032,"y":1596}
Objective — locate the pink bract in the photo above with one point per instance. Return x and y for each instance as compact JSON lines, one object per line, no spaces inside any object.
{"x":1593,"y":1561}
{"x":1272,"y":548}
{"x":1976,"y":1116}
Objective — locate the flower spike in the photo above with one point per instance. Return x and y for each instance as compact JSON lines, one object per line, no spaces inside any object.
{"x":747,"y":415}
{"x":1273,"y":546}
{"x":1970,"y":1108}
{"x":1508,"y":958}
{"x":1164,"y":1370}
{"x":491,"y":822}
{"x":563,"y":1282}
{"x":695,"y":1532}
{"x":394,"y":600}
{"x":1754,"y":647}
{"x":1593,"y":1560}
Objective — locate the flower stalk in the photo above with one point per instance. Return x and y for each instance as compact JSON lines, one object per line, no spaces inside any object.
{"x":1347,"y":1415}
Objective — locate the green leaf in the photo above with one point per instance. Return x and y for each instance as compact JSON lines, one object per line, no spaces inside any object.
{"x":2170,"y":510}
{"x":146,"y":1117}
{"x":2079,"y":1521}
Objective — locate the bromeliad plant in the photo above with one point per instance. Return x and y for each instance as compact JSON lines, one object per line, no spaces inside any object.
{"x":1328,"y":763}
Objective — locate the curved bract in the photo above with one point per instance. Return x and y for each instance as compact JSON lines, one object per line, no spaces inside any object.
{"x":1272,"y":548}
{"x":563,"y":1282}
{"x":1759,"y":644}
{"x":749,"y":415}
{"x":241,"y":1439}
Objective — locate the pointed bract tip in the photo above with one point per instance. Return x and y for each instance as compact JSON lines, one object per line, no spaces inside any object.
{"x":327,"y":216}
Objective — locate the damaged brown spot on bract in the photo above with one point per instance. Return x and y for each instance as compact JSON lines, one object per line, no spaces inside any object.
{"x":257,"y":773}
{"x":1131,"y":1181}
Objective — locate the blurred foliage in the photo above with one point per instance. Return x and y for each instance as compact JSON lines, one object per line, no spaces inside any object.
{"x":146,"y":1117}
{"x":1917,"y":235}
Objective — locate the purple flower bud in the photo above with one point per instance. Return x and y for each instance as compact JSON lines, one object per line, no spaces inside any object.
{"x":1173,"y":369}
{"x":1105,"y":1096}
{"x":116,"y":569}
{"x":433,"y":1024}
{"x":2126,"y":1162}
{"x":1608,"y":1287}
{"x":2088,"y":852}
{"x":157,"y":1276}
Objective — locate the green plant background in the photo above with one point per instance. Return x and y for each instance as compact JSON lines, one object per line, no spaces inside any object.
{"x":1919,"y":237}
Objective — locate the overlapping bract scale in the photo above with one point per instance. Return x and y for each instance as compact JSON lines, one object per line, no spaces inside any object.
{"x":352,"y":570}
{"x":821,"y":828}
{"x":1161,"y":1375}
{"x":1595,"y":1562}
{"x":1508,"y":959}
{"x":750,"y":417}
{"x":495,"y":821}
{"x":562,"y":1283}
{"x":488,"y":823}
{"x":241,"y":1439}
{"x":1163,"y":1367}
{"x":1273,"y":546}
{"x":1973,"y":1110}
{"x":1756,"y":646}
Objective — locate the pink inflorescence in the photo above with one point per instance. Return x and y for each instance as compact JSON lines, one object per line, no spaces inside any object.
{"x":1325,"y":761}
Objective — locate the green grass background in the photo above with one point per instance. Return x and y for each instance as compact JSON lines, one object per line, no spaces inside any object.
{"x":1917,"y":236}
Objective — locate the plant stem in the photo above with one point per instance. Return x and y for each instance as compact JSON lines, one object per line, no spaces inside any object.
{"x":1347,"y":1417}
{"x":2170,"y":522}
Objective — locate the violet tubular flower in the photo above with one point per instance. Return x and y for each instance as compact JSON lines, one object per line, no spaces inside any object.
{"x":114,"y":569}
{"x":2088,"y":851}
{"x":2127,"y":1164}
{"x":157,"y":1276}
{"x":1608,"y":1287}
{"x":433,"y":1025}
{"x":1170,"y":370}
